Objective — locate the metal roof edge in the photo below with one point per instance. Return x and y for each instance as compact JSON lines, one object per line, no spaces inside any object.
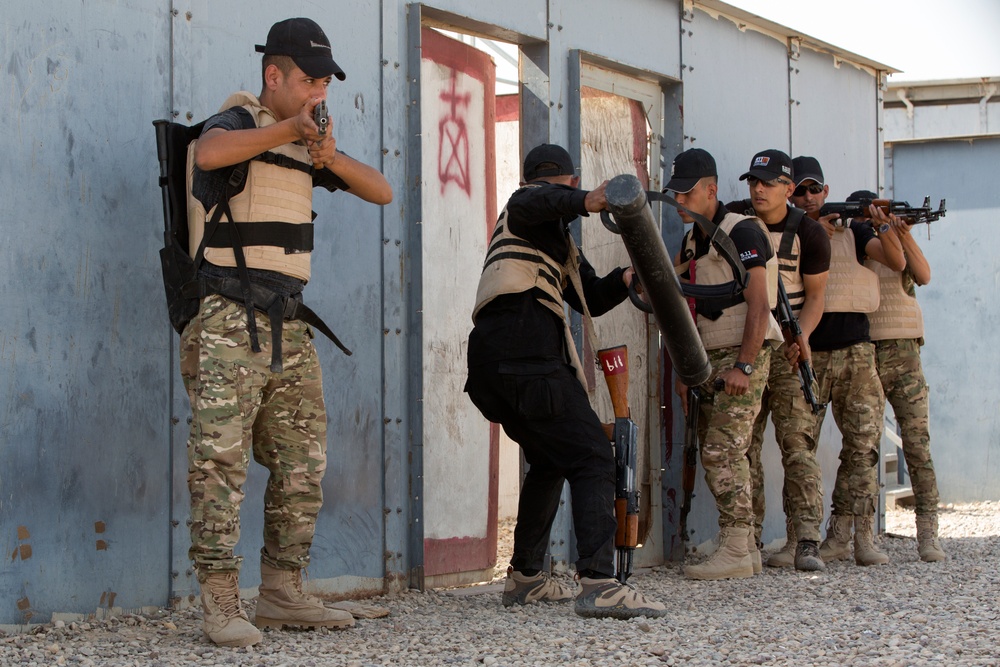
{"x":745,"y":20}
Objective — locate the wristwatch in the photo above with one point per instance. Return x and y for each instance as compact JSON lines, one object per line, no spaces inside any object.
{"x":747,"y":369}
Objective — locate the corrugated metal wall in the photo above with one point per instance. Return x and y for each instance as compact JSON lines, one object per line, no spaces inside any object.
{"x":93,"y":498}
{"x":960,"y":305}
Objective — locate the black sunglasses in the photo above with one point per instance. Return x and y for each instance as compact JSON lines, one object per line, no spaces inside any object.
{"x":813,"y":189}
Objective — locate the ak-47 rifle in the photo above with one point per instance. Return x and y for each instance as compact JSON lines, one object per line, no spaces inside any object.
{"x":912,"y":215}
{"x":614,"y":363}
{"x":690,"y":457}
{"x":793,"y":334}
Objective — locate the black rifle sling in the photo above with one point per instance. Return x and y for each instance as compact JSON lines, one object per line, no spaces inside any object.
{"x":726,"y":294}
{"x":795,"y":216}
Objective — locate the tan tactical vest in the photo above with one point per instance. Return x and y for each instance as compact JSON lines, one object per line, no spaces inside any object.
{"x":712,"y":269}
{"x":513,"y":265}
{"x":898,"y":314}
{"x":272,"y":194}
{"x":851,"y":287}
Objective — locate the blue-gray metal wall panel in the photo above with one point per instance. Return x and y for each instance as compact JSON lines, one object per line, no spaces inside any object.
{"x":833,"y":113}
{"x":644,"y":34}
{"x":84,"y":348}
{"x":961,"y":308}
{"x":735,"y":95}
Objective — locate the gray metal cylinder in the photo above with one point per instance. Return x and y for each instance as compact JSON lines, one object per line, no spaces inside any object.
{"x":627,"y":203}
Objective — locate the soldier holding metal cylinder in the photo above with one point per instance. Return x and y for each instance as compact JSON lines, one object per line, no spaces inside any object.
{"x":738,"y":331}
{"x":526,"y":375}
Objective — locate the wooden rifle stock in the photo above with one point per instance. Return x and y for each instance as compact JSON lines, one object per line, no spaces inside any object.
{"x":614,"y":364}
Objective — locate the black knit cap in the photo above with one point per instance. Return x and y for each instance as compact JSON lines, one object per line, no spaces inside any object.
{"x":556,"y":158}
{"x":306,"y":44}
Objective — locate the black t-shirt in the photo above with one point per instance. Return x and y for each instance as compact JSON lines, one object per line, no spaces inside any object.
{"x":752,"y":244}
{"x":517,"y":326}
{"x":836,"y":331}
{"x":814,"y":244}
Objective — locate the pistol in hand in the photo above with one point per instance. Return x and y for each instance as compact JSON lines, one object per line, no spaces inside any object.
{"x":321,"y":117}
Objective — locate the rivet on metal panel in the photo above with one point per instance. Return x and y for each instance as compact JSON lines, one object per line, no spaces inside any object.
{"x":175,"y":113}
{"x":385,"y":332}
{"x":189,"y":115}
{"x":175,"y":12}
{"x":551,"y":24}
{"x":386,"y":420}
{"x":551,"y":103}
{"x":559,"y":106}
{"x":385,"y":241}
{"x":174,"y":523}
{"x":558,"y":27}
{"x":385,"y":62}
{"x":396,"y":153}
{"x":399,"y":510}
{"x":388,"y":555}
{"x":398,"y":242}
{"x":398,"y":420}
{"x":399,"y":554}
{"x":386,"y":510}
{"x":175,"y":420}
{"x":396,"y":65}
{"x":187,"y":15}
{"x":385,"y":151}
{"x":188,"y":523}
{"x":188,"y":572}
{"x":175,"y":574}
{"x":189,"y":420}
{"x":398,"y":331}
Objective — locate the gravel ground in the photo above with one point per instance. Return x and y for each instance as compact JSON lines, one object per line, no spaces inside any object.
{"x":905,"y":613}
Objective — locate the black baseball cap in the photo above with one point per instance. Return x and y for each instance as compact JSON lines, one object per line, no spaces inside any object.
{"x":690,"y":167}
{"x":858,"y":195}
{"x":769,"y":165}
{"x":544,"y":154}
{"x":306,"y":44}
{"x":807,"y":169}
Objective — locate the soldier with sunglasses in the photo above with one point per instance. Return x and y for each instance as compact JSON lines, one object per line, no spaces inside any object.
{"x":844,"y":360}
{"x":803,"y":250}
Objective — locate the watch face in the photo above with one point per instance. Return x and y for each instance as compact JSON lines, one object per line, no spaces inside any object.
{"x":746,"y":368}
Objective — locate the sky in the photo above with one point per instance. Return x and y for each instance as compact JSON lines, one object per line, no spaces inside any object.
{"x":926,"y":39}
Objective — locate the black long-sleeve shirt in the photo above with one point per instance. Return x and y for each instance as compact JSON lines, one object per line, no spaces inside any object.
{"x":517,"y":326}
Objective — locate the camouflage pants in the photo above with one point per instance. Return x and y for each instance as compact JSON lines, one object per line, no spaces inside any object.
{"x":724,"y":427}
{"x":237,"y":403}
{"x":802,"y":492}
{"x":849,"y":383}
{"x":903,"y":381}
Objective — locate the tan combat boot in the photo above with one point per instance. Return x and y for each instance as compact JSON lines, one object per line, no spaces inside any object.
{"x":786,"y":556}
{"x":223,"y":618}
{"x":282,"y":602}
{"x":865,"y":552}
{"x":754,"y":551}
{"x":928,"y":547}
{"x":837,"y":545}
{"x":730,"y":561}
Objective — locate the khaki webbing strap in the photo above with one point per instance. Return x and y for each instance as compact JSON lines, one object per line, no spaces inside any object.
{"x":573,"y":271}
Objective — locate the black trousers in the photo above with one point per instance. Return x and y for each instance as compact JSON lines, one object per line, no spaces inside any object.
{"x":544,"y":409}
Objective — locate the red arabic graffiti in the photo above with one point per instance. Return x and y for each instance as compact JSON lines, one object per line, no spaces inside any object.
{"x":453,"y":141}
